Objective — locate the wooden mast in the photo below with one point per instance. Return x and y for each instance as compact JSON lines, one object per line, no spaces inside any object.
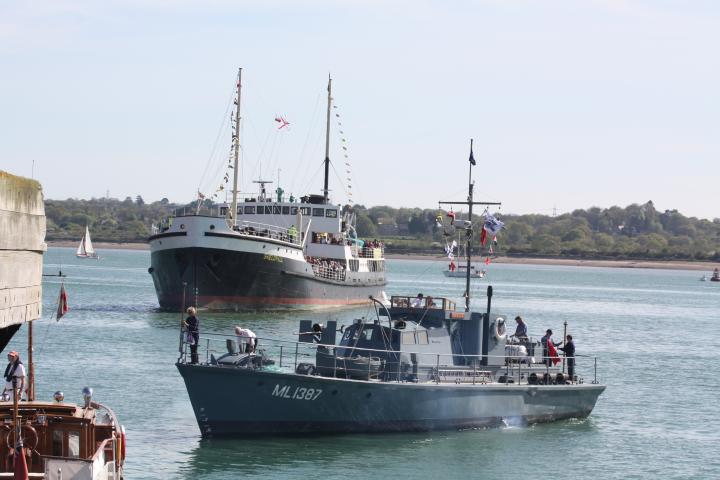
{"x":236,"y":153}
{"x":327,"y":141}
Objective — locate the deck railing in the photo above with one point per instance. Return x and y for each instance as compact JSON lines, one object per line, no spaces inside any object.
{"x":399,"y":366}
{"x":330,"y":273}
{"x":269,"y":231}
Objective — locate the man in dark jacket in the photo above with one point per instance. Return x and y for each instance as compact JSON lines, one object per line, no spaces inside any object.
{"x":192,"y":327}
{"x":569,"y":350}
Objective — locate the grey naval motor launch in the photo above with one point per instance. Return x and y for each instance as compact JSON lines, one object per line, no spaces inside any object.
{"x":420,"y":364}
{"x":265,"y":252}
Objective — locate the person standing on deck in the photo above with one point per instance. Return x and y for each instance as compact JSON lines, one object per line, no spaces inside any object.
{"x":548,"y":348}
{"x":521,"y":329}
{"x":192,"y":326}
{"x":569,"y":350}
{"x":14,"y":376}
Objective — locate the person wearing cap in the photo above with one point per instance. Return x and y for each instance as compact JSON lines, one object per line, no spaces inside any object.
{"x":14,"y":376}
{"x":192,"y":327}
{"x":246,"y":339}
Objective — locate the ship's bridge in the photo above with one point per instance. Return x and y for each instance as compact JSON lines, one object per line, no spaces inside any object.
{"x":426,"y":307}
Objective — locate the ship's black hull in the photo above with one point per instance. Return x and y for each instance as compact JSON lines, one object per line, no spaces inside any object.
{"x":233,"y":280}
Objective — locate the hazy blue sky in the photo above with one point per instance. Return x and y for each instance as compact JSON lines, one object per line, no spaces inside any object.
{"x":572,"y":104}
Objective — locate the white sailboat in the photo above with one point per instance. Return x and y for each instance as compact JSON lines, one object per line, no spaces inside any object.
{"x":85,"y":249}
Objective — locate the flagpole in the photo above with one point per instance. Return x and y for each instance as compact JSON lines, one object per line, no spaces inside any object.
{"x":327,"y":142}
{"x":468,"y":232}
{"x":468,"y":229}
{"x":236,"y":151}
{"x":31,"y":366}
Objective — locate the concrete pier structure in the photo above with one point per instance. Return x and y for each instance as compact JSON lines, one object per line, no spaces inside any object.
{"x":22,"y":244}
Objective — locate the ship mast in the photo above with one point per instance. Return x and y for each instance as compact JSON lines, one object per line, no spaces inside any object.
{"x":468,"y":225}
{"x":327,"y":141}
{"x":236,"y":153}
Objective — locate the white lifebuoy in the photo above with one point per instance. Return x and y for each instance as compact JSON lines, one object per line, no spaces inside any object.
{"x":500,"y":330}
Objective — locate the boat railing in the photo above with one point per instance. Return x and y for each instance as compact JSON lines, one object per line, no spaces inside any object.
{"x":288,"y":235}
{"x":329,"y":272}
{"x":400,"y":366}
{"x":377,"y":253}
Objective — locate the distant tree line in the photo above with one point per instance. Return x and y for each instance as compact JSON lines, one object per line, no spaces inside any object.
{"x":109,"y":219}
{"x":634,"y":232}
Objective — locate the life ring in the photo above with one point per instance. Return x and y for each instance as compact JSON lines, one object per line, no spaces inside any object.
{"x":29,"y":434}
{"x":500,"y":330}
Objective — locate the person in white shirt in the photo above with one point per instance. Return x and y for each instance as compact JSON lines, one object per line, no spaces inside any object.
{"x":246,"y":339}
{"x":14,"y":372}
{"x":417,"y":301}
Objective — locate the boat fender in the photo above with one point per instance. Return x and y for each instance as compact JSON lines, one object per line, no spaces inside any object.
{"x":500,"y":330}
{"x":122,"y":444}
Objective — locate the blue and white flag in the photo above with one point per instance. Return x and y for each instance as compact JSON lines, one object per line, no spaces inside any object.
{"x":450,"y":248}
{"x":492,"y":225}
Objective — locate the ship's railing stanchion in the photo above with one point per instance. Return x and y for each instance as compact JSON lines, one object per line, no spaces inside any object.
{"x":437,"y":369}
{"x":297,"y":345}
{"x":595,"y":374}
{"x":547,"y":369}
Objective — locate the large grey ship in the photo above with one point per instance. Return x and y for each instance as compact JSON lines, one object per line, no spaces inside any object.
{"x":421,"y":364}
{"x":265,"y":252}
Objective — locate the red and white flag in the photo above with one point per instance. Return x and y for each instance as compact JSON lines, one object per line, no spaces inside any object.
{"x":552,"y":352}
{"x":62,"y":303}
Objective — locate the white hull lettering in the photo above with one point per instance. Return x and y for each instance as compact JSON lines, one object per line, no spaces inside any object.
{"x":299,"y":393}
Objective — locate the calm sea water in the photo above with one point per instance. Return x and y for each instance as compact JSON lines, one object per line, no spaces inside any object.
{"x":654,"y":331}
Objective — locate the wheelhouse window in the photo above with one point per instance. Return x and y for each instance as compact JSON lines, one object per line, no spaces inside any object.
{"x":285,"y":210}
{"x":305,"y":210}
{"x":57,"y":443}
{"x":368,"y":333}
{"x":408,"y":338}
{"x":330,"y":213}
{"x":73,"y":444}
{"x":250,"y":210}
{"x":293,"y":210}
{"x":422,"y":337}
{"x":276,"y":210}
{"x":318,"y":212}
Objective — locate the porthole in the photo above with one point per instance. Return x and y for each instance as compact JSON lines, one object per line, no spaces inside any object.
{"x":212,"y":227}
{"x":182,"y":226}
